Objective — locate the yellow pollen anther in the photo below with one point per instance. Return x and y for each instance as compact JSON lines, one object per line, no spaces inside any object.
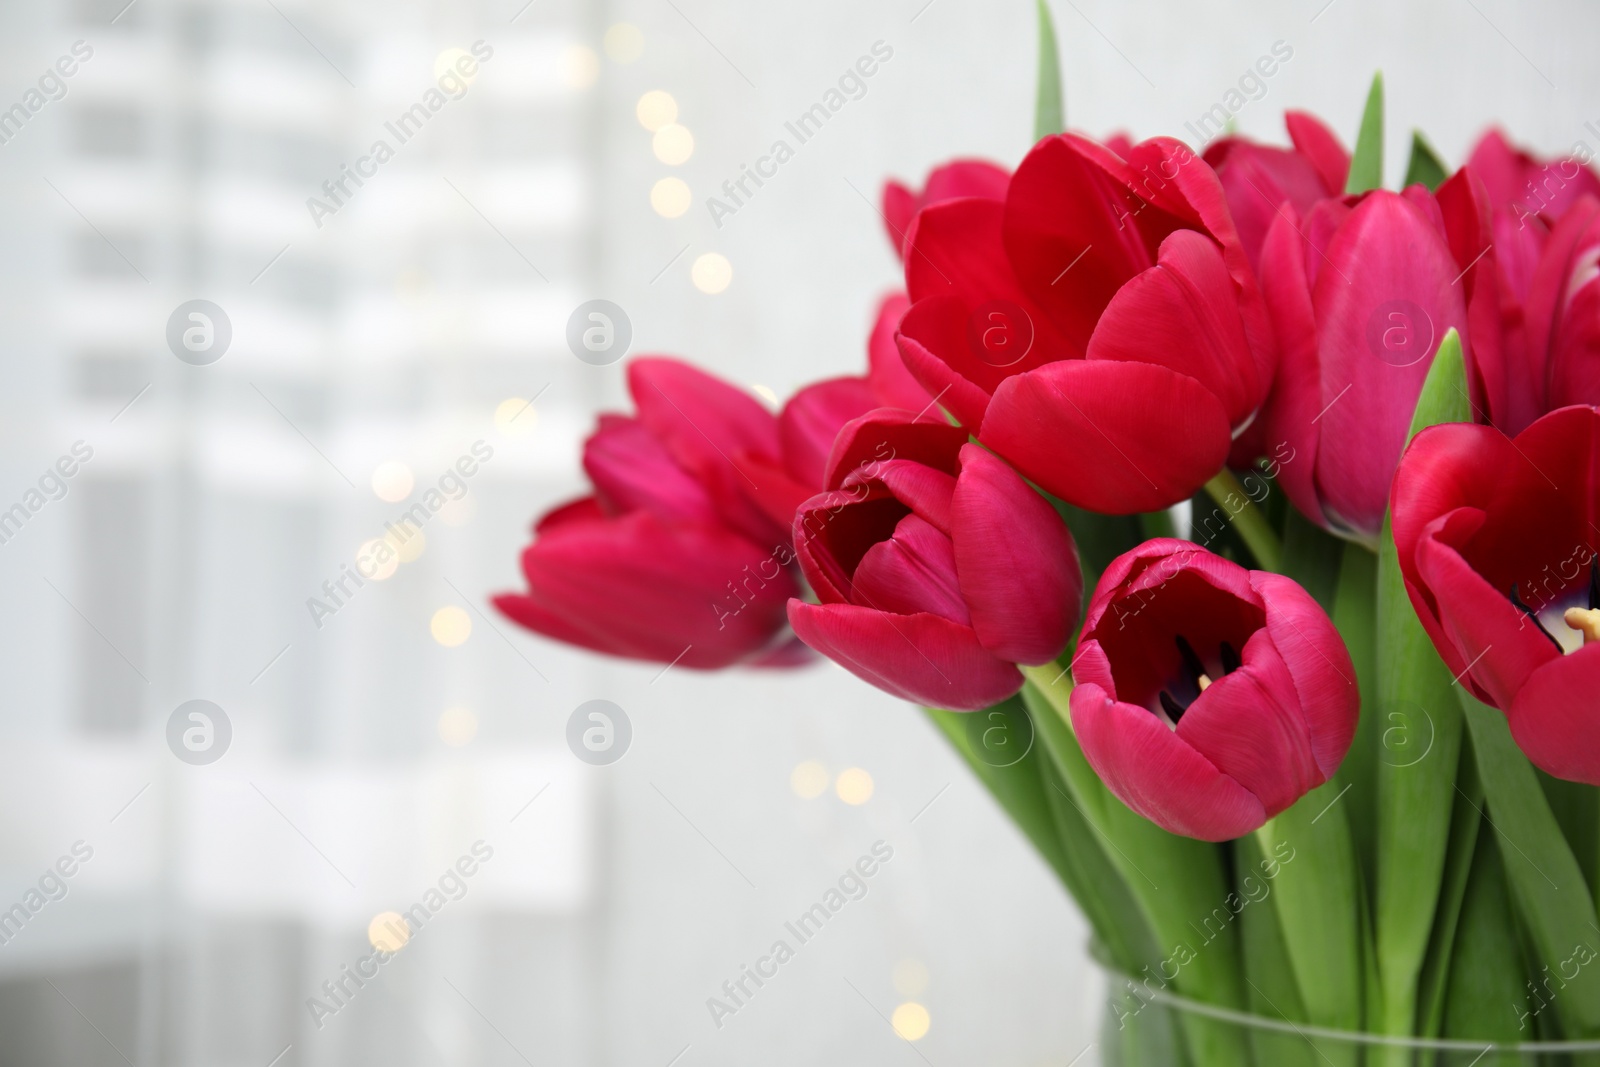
{"x":1205,"y":680}
{"x":1585,"y":620}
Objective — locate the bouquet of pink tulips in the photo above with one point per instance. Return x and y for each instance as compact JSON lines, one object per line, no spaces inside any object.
{"x":1238,"y":521}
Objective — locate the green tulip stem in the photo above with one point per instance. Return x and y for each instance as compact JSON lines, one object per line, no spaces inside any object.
{"x":1249,"y":521}
{"x":1180,"y":884}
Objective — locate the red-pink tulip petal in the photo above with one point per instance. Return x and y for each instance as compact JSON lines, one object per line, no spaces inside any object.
{"x":1073,"y":231}
{"x":1016,"y":560}
{"x":933,"y":333}
{"x":1383,"y":304}
{"x":1445,"y":467}
{"x":675,"y":580}
{"x":1553,"y":716}
{"x":833,"y":530}
{"x":632,"y":471}
{"x":899,"y":208}
{"x":1183,"y":314}
{"x":574,"y":512}
{"x":960,"y":177}
{"x":1291,"y":415}
{"x":812,"y":419}
{"x":915,"y":570}
{"x":891,"y":383}
{"x":705,"y":423}
{"x":1240,"y":726}
{"x":701,"y":419}
{"x":1523,"y":185}
{"x":1318,"y":144}
{"x":922,"y":658}
{"x":1112,"y":437}
{"x":773,"y":489}
{"x":867,"y":443}
{"x":923,"y":489}
{"x":1258,"y":180}
{"x":966,"y":177}
{"x":1317,"y":664}
{"x":1157,"y":774}
{"x":1497,"y":644}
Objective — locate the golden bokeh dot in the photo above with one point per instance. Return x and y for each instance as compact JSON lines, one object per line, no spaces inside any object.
{"x":457,"y":726}
{"x":407,"y":541}
{"x":392,"y":481}
{"x":581,"y":65}
{"x":711,"y":273}
{"x":388,"y":931}
{"x":624,"y":43}
{"x":854,"y":786}
{"x":910,"y":977}
{"x":656,"y":109}
{"x":809,"y":779}
{"x":673,"y":144}
{"x":515,"y":417}
{"x":450,"y":626}
{"x":376,"y":559}
{"x":670,"y":197}
{"x":910,"y":1020}
{"x":765,"y":393}
{"x":448,"y":62}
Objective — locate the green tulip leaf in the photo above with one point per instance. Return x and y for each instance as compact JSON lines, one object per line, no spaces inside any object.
{"x":1424,"y":165}
{"x":1050,"y":109}
{"x":1547,"y":884}
{"x":1366,"y":162}
{"x":1419,"y":728}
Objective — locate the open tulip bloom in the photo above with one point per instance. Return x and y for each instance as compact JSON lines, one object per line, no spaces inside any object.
{"x":1320,"y":753}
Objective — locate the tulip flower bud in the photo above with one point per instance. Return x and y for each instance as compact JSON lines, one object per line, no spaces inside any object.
{"x":1209,"y":697}
{"x":937,"y":567}
{"x":1361,"y":293}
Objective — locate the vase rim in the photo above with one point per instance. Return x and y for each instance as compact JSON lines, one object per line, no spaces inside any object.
{"x":1355,"y":1037}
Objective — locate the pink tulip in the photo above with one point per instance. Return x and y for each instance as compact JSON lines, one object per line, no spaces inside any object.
{"x":671,"y":559}
{"x":1101,"y":330}
{"x":1525,"y":186}
{"x":1361,"y":290}
{"x":1209,"y":697}
{"x":1528,"y":309}
{"x":1496,"y":539}
{"x":937,"y":567}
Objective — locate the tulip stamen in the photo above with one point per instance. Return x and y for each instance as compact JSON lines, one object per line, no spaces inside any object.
{"x":1533,"y":616}
{"x":1195,"y":668}
{"x":1585,"y":620}
{"x":1191,"y":663}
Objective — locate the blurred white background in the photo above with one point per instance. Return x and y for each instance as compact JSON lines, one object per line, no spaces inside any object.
{"x":370,"y":753}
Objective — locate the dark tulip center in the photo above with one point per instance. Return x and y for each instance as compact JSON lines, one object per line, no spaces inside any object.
{"x":1194,"y":679}
{"x":1569,"y":625}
